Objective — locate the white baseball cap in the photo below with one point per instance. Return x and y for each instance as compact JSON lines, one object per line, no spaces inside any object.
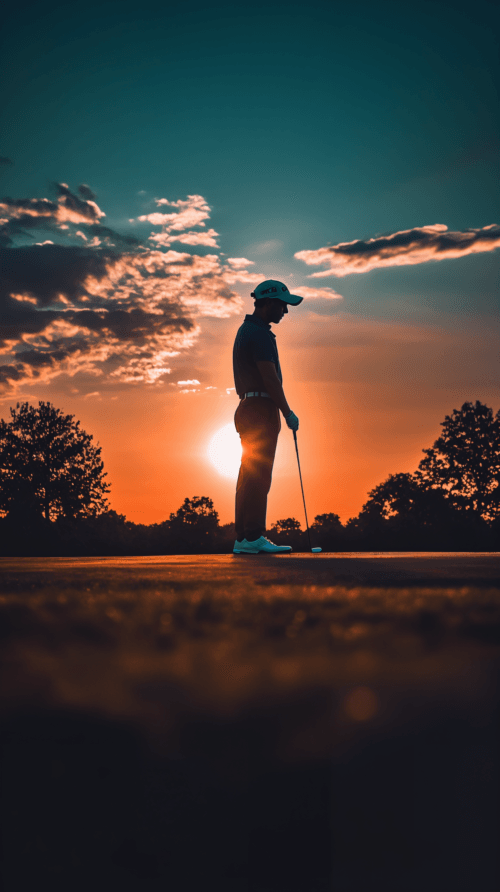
{"x":277,"y":291}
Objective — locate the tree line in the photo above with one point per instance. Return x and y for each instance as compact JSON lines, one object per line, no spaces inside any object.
{"x":53,"y":498}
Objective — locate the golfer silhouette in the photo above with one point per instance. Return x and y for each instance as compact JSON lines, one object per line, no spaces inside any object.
{"x":259,"y":385}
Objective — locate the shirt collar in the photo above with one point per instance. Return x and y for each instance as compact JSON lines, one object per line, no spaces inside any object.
{"x":258,"y":321}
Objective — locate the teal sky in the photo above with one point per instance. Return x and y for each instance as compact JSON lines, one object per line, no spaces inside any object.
{"x":302,"y":126}
{"x":306,"y":123}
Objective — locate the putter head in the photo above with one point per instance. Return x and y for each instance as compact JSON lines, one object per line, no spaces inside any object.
{"x":316,"y":550}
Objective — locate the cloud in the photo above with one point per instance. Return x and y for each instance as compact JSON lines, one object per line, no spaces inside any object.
{"x":112,"y":237}
{"x":237,"y":272}
{"x":177,"y":226}
{"x":192,"y":212}
{"x":316,"y":293}
{"x":239,"y":262}
{"x":109,"y":306}
{"x":17,"y":216}
{"x":51,"y":273}
{"x":86,"y":192}
{"x":186,"y":238}
{"x":410,"y":246}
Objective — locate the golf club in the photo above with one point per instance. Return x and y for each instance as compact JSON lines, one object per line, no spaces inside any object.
{"x":314,"y":550}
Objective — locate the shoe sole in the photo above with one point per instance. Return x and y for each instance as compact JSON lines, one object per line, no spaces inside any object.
{"x":261,"y":551}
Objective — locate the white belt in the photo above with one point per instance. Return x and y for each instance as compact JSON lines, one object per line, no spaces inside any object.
{"x":255,"y":393}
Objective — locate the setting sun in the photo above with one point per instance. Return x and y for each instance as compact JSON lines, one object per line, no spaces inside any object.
{"x":224,"y":451}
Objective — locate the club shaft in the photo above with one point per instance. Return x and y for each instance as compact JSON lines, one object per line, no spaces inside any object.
{"x":302,"y":488}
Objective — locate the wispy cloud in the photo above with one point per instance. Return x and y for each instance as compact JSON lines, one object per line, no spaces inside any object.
{"x":98,"y":304}
{"x":177,"y":226}
{"x":316,"y":293}
{"x":410,"y":246}
{"x":267,"y":247}
{"x":208,"y":238}
{"x":239,"y":262}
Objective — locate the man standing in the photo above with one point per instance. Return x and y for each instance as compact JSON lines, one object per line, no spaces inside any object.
{"x":259,"y":385}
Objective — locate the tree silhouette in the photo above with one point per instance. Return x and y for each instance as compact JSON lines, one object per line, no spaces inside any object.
{"x":51,"y":471}
{"x":328,"y":531}
{"x":192,"y":510}
{"x":194,"y":526}
{"x":387,"y":508}
{"x":327,"y":521}
{"x":401,"y":505}
{"x":398,"y":496}
{"x":288,"y":532}
{"x":465,"y":461}
{"x":288,"y":525}
{"x":49,"y":466}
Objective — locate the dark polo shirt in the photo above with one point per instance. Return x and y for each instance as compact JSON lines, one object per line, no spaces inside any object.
{"x":254,"y":343}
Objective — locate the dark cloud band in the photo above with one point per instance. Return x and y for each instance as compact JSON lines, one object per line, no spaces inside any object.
{"x":411,"y":246}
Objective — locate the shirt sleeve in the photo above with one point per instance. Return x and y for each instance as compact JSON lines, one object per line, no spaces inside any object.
{"x":261,"y":349}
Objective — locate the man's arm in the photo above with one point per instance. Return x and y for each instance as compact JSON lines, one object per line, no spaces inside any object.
{"x":273,"y":386}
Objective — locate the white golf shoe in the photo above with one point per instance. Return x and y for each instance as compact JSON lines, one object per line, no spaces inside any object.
{"x":259,"y":546}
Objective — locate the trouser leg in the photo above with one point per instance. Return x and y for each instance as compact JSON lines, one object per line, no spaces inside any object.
{"x":258,"y":424}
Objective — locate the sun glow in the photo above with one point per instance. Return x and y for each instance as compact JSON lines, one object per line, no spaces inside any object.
{"x":224,"y":451}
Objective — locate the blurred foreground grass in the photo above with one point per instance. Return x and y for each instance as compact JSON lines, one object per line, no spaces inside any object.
{"x":151,"y":654}
{"x":273,"y":726}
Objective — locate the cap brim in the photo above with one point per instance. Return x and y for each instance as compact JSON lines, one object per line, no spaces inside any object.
{"x":293,"y":299}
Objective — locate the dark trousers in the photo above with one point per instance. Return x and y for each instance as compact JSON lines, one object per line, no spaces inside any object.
{"x":257,"y":420}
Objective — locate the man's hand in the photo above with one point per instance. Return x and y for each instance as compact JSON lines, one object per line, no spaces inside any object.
{"x":292,"y":421}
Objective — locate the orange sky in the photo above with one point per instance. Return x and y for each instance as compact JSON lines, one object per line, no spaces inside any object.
{"x":134,"y":224}
{"x":370,"y":395}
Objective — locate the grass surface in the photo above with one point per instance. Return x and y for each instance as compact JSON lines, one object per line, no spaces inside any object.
{"x":142,"y":652}
{"x":160,"y":728}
